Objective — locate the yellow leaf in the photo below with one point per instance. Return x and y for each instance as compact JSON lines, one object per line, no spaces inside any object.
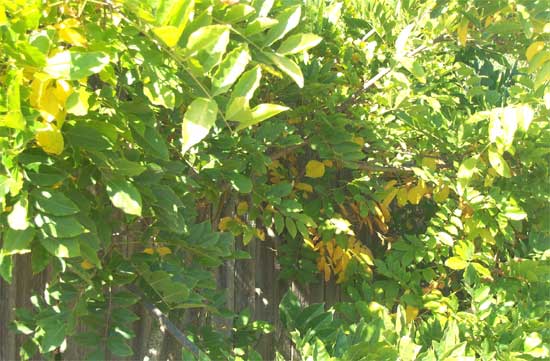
{"x":415,"y":194}
{"x":86,"y":265}
{"x":242,"y":208}
{"x":383,"y":227}
{"x":385,"y":213}
{"x":366,"y":256}
{"x":163,"y":251}
{"x":533,"y":49}
{"x":39,"y":85}
{"x":315,"y":169}
{"x":390,"y":184}
{"x":386,"y":202}
{"x":224,"y":223}
{"x":462,"y":32}
{"x":169,"y":34}
{"x":487,"y":236}
{"x":304,"y":187}
{"x":260,"y":234}
{"x":328,"y":163}
{"x":358,"y":140}
{"x":72,"y":36}
{"x":149,"y":250}
{"x":411,"y":313}
{"x":456,"y":263}
{"x":327,"y":272}
{"x":402,"y":197}
{"x":430,"y":163}
{"x":50,"y":139}
{"x":62,"y":90}
{"x":441,"y":194}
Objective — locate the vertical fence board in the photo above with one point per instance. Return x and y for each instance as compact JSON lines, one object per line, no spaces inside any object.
{"x":252,"y":283}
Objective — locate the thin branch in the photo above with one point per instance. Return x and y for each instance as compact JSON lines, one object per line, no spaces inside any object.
{"x":165,"y":322}
{"x":382,"y":73}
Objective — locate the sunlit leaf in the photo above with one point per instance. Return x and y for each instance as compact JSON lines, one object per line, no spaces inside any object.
{"x":124,"y":195}
{"x":197,"y":121}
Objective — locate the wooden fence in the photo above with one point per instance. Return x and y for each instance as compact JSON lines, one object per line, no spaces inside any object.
{"x":252,"y":283}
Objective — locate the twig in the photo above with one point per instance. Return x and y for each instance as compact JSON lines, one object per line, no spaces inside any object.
{"x":165,"y":322}
{"x":382,"y":73}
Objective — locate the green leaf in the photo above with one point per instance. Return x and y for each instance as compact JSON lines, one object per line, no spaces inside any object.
{"x":6,"y":266}
{"x":62,"y":248}
{"x":197,"y":121}
{"x":514,"y":212}
{"x":230,"y":69}
{"x":127,"y":168}
{"x":258,"y":25}
{"x":238,"y":13}
{"x":54,"y":334}
{"x":465,"y":173}
{"x":248,"y":83}
{"x":240,"y":182}
{"x":125,"y":196}
{"x":59,"y":227}
{"x":54,"y":203}
{"x":159,"y":93}
{"x":456,"y":263}
{"x":291,"y":227}
{"x":288,"y":67}
{"x":287,"y":21}
{"x":72,"y":65}
{"x":207,"y":38}
{"x":18,"y":242}
{"x":261,"y":113}
{"x":118,"y":346}
{"x":14,"y":118}
{"x":498,"y":163}
{"x":84,"y":136}
{"x":77,"y":102}
{"x":298,"y":43}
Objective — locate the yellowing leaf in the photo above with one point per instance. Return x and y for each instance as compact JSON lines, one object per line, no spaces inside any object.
{"x":62,"y":90}
{"x":402,"y":196}
{"x":390,"y":184}
{"x":415,"y":194}
{"x":430,"y":163}
{"x":315,"y":169}
{"x":149,"y":251}
{"x":533,"y":49}
{"x":86,"y":265}
{"x":304,"y":187}
{"x":50,"y":139}
{"x":328,"y":163}
{"x":387,"y":200}
{"x":441,"y":194}
{"x":168,"y":34}
{"x":326,"y":270}
{"x":358,"y":140}
{"x":462,"y":32}
{"x":242,"y":208}
{"x":72,"y":36}
{"x":224,"y":223}
{"x":163,"y":251}
{"x":456,"y":263}
{"x":411,"y":313}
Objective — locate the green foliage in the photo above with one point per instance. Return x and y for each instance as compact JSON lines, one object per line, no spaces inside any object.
{"x":409,"y":162}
